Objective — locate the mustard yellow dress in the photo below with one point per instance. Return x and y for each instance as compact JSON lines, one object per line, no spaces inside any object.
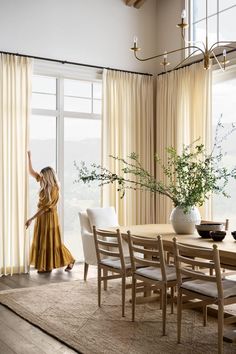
{"x":47,"y":250}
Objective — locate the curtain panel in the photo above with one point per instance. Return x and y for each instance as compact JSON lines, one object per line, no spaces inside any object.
{"x":128,"y":127}
{"x":183,"y":114}
{"x":15,"y":93}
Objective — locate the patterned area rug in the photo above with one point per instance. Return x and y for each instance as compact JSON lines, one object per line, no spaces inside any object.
{"x":69,"y":312}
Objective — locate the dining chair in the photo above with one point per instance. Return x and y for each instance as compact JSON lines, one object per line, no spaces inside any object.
{"x":110,"y":259}
{"x":101,"y":217}
{"x":208,"y":288}
{"x":89,"y":251}
{"x":155,"y":273}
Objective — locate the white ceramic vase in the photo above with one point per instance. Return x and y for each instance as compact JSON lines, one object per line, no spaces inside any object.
{"x":184,"y":223}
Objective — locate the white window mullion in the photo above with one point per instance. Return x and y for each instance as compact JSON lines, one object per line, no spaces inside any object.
{"x":78,"y":115}
{"x":60,"y":147}
{"x":45,"y":112}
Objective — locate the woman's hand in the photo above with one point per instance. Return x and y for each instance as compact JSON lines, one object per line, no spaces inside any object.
{"x":28,"y":222}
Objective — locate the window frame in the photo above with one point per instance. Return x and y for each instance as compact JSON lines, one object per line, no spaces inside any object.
{"x":217,"y":14}
{"x":217,"y":78}
{"x":61,"y":72}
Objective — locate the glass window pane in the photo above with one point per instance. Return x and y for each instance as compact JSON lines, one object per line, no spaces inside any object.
{"x":73,"y":104}
{"x":77,"y":88}
{"x":227,"y":25}
{"x":224,"y":4}
{"x":42,"y":101}
{"x":198,"y":10}
{"x":212,"y":30}
{"x":43,"y":151}
{"x":200,"y":32}
{"x":82,"y":143}
{"x":97,"y":90}
{"x":224,"y":103}
{"x":212,"y":7}
{"x":44,"y":84}
{"x":43,"y":141}
{"x":97,"y":106}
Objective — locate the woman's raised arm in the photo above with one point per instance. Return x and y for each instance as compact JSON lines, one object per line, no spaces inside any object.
{"x":32,"y":172}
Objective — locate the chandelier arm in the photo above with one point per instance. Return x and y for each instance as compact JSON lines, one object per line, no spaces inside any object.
{"x":212,"y":53}
{"x":221,"y":67}
{"x":183,"y":61}
{"x":227,"y":45}
{"x":167,"y":53}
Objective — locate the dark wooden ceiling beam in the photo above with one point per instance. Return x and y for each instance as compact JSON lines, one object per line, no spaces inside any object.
{"x":139,"y":3}
{"x":136,"y":3}
{"x":130,"y":2}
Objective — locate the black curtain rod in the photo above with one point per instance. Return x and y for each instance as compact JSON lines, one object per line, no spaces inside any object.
{"x":195,"y":62}
{"x":72,"y":63}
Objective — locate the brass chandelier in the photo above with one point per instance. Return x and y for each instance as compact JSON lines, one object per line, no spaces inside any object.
{"x":207,"y":52}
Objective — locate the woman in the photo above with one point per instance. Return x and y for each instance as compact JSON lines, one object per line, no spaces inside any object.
{"x":47,"y":250}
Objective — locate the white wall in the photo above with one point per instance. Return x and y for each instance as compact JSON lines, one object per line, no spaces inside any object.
{"x":168,"y":35}
{"x":97,"y":32}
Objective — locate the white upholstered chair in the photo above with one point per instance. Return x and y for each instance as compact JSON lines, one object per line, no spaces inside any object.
{"x":99,"y":217}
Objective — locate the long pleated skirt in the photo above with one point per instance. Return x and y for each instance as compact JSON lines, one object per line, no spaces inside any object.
{"x":47,"y":250}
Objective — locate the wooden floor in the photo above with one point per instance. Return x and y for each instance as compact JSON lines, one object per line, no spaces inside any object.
{"x":20,"y":337}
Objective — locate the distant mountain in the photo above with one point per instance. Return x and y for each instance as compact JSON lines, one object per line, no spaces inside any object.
{"x":44,"y":152}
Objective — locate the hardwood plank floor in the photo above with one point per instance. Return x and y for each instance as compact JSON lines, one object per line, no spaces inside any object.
{"x":17,"y":336}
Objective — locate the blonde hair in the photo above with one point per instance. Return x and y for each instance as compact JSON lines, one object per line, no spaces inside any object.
{"x":48,"y":181}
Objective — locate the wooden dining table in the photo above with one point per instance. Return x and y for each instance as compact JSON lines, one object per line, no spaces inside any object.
{"x":227,"y":247}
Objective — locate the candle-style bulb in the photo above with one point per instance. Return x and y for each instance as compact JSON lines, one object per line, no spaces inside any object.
{"x":224,"y":53}
{"x":165,"y":54}
{"x":135,"y":47}
{"x":183,"y":14}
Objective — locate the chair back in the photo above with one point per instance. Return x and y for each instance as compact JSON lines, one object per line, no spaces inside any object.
{"x":87,"y":240}
{"x":102,"y":217}
{"x":147,"y":252}
{"x":94,"y":216}
{"x":188,"y":258}
{"x":108,"y":245}
{"x":84,"y":222}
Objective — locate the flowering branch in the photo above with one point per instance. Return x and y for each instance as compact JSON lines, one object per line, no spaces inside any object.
{"x":191,"y":176}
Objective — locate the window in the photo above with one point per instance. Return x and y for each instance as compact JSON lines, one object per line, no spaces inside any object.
{"x":65,"y":127}
{"x":221,"y":16}
{"x":224,"y":91}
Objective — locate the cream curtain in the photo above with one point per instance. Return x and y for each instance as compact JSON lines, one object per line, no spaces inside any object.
{"x":183,"y":115}
{"x":15,"y":91}
{"x":128,"y":127}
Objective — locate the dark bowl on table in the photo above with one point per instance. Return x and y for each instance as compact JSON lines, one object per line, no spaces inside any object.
{"x":204,"y":229}
{"x":218,"y":235}
{"x":233,"y":233}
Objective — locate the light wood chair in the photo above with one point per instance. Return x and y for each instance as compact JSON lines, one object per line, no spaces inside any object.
{"x":208,"y":289}
{"x":154,"y":272}
{"x":110,"y":258}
